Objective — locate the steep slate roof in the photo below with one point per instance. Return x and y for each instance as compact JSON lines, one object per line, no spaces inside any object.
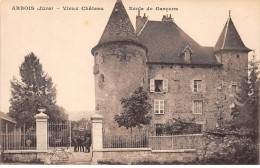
{"x":166,"y":41}
{"x":229,"y":38}
{"x":119,"y":26}
{"x":6,"y":117}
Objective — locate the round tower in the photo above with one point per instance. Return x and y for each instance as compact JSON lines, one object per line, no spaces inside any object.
{"x":119,"y":65}
{"x":231,"y":52}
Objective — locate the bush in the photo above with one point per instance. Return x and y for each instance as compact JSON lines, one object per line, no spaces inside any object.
{"x":230,"y":148}
{"x":181,"y":126}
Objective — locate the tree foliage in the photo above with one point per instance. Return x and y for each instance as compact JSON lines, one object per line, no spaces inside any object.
{"x":35,"y":90}
{"x":178,"y":126}
{"x":246,"y":110}
{"x":136,"y":110}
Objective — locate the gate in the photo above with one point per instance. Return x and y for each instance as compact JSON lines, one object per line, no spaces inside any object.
{"x":59,"y":134}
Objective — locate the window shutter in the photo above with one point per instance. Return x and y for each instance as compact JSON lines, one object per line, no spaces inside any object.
{"x":151,"y":85}
{"x":165,"y":85}
{"x":162,"y":106}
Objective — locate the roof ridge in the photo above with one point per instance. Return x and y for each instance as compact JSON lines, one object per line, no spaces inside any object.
{"x":142,"y":28}
{"x":225,"y":35}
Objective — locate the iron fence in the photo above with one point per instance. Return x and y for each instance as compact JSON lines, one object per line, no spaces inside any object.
{"x":125,"y":141}
{"x":18,"y":141}
{"x":59,"y":134}
{"x":190,"y":141}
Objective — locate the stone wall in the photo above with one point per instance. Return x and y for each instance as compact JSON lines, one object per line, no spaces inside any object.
{"x":24,"y":156}
{"x":123,"y":69}
{"x":137,"y":156}
{"x":217,"y":95}
{"x":180,"y":95}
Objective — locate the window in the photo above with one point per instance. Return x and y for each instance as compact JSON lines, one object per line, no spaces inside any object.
{"x":237,"y":56}
{"x":158,"y":106}
{"x":101,"y":80}
{"x":197,"y":85}
{"x":197,"y":107}
{"x":187,"y":55}
{"x":96,"y":59}
{"x":102,"y":58}
{"x":158,"y":85}
{"x":234,"y":88}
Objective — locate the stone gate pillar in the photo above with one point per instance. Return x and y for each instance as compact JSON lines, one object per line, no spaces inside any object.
{"x":41,"y":131}
{"x":97,"y":136}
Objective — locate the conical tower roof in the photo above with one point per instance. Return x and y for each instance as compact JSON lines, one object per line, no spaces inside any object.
{"x":229,"y":38}
{"x":119,"y":26}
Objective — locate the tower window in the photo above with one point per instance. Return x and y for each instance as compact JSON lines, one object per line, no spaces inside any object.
{"x":102,"y":59}
{"x":197,"y":85}
{"x":197,"y":107}
{"x":237,"y":56}
{"x":96,"y":59}
{"x":101,"y":79}
{"x":234,"y":88}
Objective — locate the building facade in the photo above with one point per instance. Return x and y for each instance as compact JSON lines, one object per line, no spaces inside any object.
{"x":183,"y":78}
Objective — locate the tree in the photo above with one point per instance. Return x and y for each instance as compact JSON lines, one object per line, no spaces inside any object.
{"x":135,"y":110}
{"x":246,"y":111}
{"x":35,"y":90}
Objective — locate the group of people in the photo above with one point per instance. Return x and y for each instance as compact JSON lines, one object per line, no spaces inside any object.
{"x":82,"y":143}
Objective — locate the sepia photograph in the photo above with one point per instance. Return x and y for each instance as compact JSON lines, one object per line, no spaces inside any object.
{"x":129,"y":82}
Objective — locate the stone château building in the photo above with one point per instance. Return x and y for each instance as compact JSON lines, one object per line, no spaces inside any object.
{"x":184,"y":79}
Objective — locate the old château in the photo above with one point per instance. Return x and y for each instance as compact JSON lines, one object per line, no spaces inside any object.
{"x":184,"y":79}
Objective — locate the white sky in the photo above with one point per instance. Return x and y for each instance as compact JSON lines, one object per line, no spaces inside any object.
{"x":63,"y":39}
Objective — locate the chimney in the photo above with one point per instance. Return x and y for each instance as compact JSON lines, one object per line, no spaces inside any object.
{"x":140,"y":22}
{"x":167,"y":19}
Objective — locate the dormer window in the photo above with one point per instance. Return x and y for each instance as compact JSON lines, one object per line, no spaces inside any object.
{"x":187,"y":53}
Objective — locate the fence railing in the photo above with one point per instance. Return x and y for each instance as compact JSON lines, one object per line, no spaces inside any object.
{"x":190,"y":141}
{"x":125,"y":141}
{"x":59,"y":134}
{"x":18,"y":141}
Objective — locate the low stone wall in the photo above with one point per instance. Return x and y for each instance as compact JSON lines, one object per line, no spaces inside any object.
{"x":139,"y":155}
{"x":24,"y":156}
